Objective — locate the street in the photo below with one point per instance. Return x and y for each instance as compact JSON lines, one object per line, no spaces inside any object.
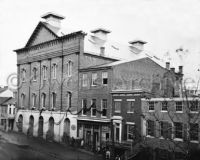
{"x":15,"y":146}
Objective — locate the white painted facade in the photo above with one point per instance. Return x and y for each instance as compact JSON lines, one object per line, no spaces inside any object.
{"x":59,"y":118}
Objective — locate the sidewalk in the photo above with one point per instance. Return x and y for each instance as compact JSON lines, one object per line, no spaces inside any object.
{"x":53,"y":149}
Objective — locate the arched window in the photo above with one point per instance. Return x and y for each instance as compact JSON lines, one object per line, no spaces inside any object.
{"x":54,"y":66}
{"x":22,"y":100}
{"x":53,"y":100}
{"x":23,"y":75}
{"x":43,"y":100}
{"x":69,"y":68}
{"x":34,"y":96}
{"x":34,"y":74}
{"x":51,"y":125}
{"x":69,"y":97}
{"x":44,"y":72}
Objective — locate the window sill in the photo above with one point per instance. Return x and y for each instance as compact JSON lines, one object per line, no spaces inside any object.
{"x":117,"y":112}
{"x":84,"y":115}
{"x":93,"y":116}
{"x":179,"y":112}
{"x":130,"y":112}
{"x":103,"y":116}
{"x":34,"y":80}
{"x":194,"y":112}
{"x":178,"y":139}
{"x":194,"y":141}
{"x":164,"y":111}
{"x":151,"y":110}
{"x":148,"y":136}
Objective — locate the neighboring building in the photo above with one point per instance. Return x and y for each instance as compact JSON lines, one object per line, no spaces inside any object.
{"x":100,"y":87}
{"x":7,"y":112}
{"x":171,"y":125}
{"x":6,"y":92}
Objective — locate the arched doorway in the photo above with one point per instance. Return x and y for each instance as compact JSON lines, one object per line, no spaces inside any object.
{"x":31,"y":126}
{"x":67,"y":126}
{"x":20,"y":123}
{"x":40,"y":127}
{"x":50,"y":132}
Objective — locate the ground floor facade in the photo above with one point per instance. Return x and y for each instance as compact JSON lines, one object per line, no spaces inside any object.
{"x":47,"y":124}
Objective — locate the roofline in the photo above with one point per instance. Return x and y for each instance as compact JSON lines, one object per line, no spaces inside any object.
{"x":48,"y":14}
{"x":93,"y":68}
{"x":58,"y":39}
{"x":103,"y":57}
{"x":100,"y":29}
{"x":7,"y":98}
{"x":36,"y":29}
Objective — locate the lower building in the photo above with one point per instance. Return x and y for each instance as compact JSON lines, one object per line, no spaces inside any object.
{"x":50,"y":125}
{"x":7,"y":113}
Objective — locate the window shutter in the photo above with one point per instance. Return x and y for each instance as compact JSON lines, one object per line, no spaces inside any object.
{"x":125,"y":132}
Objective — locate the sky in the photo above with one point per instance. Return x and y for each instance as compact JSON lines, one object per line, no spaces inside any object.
{"x":165,"y":24}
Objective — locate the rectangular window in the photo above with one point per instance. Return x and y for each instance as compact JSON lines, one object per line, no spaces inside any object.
{"x":22,"y":100}
{"x":130,"y":106}
{"x":84,"y":106}
{"x":179,"y":106}
{"x":178,"y":129}
{"x":151,"y":106}
{"x":104,"y":107}
{"x":165,"y":129}
{"x":130,"y":131}
{"x":194,"y":106}
{"x":105,"y":78}
{"x":94,"y":79}
{"x":93,"y":107}
{"x":117,"y":105}
{"x":54,"y":70}
{"x":9,"y":110}
{"x":164,"y":106}
{"x":150,"y":128}
{"x":194,"y":130}
{"x":85,"y":80}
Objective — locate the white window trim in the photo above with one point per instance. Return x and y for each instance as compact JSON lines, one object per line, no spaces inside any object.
{"x":118,"y":100}
{"x":129,"y":123}
{"x":43,"y":99}
{"x":195,"y":112}
{"x":105,"y":77}
{"x":69,"y":68}
{"x":95,"y":79}
{"x":194,"y":141}
{"x":34,"y":70}
{"x":178,"y":139}
{"x":179,"y":112}
{"x":154,"y":106}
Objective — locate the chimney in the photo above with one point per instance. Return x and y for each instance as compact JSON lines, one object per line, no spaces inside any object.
{"x":53,"y":19}
{"x":173,"y":70}
{"x":139,"y":44}
{"x":102,"y":51}
{"x":101,"y":33}
{"x":180,"y":68}
{"x":167,"y":65}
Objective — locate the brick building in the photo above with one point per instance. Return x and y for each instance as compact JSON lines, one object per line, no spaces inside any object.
{"x":48,"y":79}
{"x":116,"y":86}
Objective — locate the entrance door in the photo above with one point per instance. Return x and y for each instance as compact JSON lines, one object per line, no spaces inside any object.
{"x":96,"y":140}
{"x":88,"y":137}
{"x":117,"y":132}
